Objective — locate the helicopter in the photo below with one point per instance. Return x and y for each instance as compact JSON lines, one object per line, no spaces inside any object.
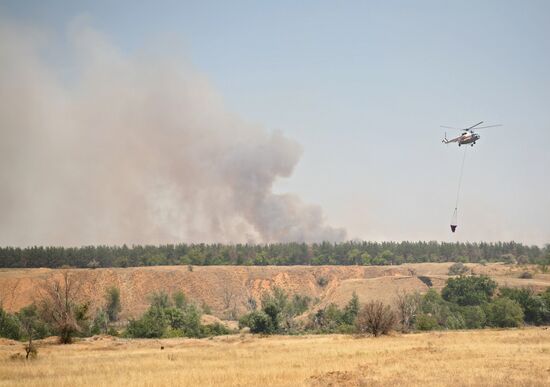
{"x":468,"y":136}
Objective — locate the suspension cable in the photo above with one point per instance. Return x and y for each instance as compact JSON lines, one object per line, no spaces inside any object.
{"x":460,"y":178}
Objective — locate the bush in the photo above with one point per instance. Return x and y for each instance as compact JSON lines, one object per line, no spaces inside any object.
{"x":32,"y":326}
{"x":474,"y":316}
{"x":9,"y":326}
{"x":100,"y":323}
{"x":151,"y":325}
{"x":322,"y":281}
{"x":470,"y":291}
{"x":329,"y":319}
{"x":112,"y":299}
{"x":504,"y":313}
{"x":426,"y":322}
{"x":455,"y":321}
{"x":535,"y":308}
{"x":426,"y":280}
{"x":375,"y":318}
{"x":458,"y":268}
{"x":215,"y":329}
{"x":163,"y":319}
{"x":408,"y":306}
{"x":60,"y":309}
{"x":351,"y":310}
{"x":259,"y":322}
{"x":93,"y":264}
{"x":180,"y":301}
{"x":526,"y":275}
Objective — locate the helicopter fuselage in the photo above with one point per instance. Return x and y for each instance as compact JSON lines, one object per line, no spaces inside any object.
{"x":468,"y":138}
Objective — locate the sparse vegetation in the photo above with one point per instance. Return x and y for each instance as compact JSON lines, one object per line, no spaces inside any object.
{"x":408,"y":306}
{"x":61,"y":310}
{"x":458,"y":268}
{"x":466,"y":302}
{"x":165,"y":318}
{"x":277,"y":313}
{"x":375,"y":318}
{"x":32,"y":327}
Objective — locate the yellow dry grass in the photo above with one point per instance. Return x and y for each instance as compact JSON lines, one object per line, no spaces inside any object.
{"x":487,"y":357}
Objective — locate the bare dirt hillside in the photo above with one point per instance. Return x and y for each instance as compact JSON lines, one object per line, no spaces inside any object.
{"x":224,"y":288}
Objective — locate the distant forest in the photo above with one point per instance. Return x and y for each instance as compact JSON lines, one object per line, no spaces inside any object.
{"x":345,"y":253}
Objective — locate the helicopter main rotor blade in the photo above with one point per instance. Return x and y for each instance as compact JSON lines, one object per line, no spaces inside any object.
{"x":471,"y":127}
{"x":490,"y":126}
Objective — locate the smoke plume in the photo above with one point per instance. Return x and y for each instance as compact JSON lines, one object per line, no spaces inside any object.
{"x":110,"y":148}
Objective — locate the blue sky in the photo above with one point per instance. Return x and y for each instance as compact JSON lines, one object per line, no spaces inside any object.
{"x":363,"y":87}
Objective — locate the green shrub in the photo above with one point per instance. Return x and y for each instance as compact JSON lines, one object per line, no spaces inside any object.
{"x":351,"y":310}
{"x":152,"y":324}
{"x":32,"y":325}
{"x":474,"y":316}
{"x":180,"y":301}
{"x":215,"y":329}
{"x":504,"y":313}
{"x":535,"y":308}
{"x":113,"y":307}
{"x":259,"y":322}
{"x":455,"y":321}
{"x":327,"y":320}
{"x":469,"y":291}
{"x":426,"y":322}
{"x":9,"y":326}
{"x":100,"y":323}
{"x":206,"y":308}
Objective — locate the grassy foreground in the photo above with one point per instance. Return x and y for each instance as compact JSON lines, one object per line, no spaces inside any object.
{"x":486,"y":357}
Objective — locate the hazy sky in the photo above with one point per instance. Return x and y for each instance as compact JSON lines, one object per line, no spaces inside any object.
{"x":363,"y":87}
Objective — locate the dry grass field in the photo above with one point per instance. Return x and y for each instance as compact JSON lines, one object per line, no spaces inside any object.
{"x":486,"y":357}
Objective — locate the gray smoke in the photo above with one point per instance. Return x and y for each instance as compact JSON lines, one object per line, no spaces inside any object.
{"x":114,"y":149}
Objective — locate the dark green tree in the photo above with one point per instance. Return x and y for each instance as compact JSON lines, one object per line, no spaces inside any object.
{"x":9,"y":326}
{"x":464,"y":291}
{"x":504,"y":313}
{"x":351,"y":310}
{"x":113,"y":306}
{"x":33,"y":328}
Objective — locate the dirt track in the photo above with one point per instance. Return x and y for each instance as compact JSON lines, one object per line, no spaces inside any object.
{"x":225,"y":287}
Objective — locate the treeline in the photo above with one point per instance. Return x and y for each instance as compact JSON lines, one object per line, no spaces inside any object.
{"x":345,"y":253}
